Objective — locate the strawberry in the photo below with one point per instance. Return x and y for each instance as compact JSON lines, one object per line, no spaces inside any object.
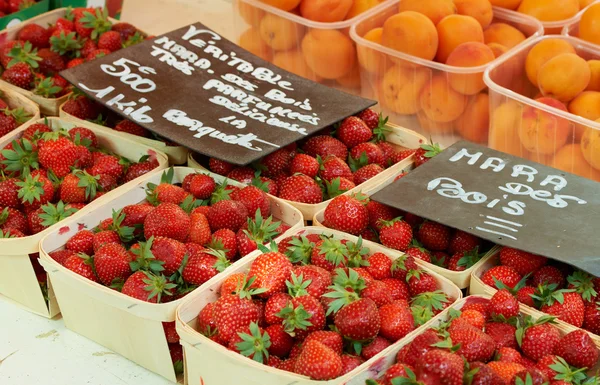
{"x":110,"y":40}
{"x":13,"y":220}
{"x":583,"y":284}
{"x":481,"y":374}
{"x":202,"y":267}
{"x":138,"y":169}
{"x":35,"y":191}
{"x":255,"y":200}
{"x":7,"y":122}
{"x":19,"y":75}
{"x":525,"y":295}
{"x":365,"y":173}
{"x":81,"y":107}
{"x":167,"y":220}
{"x":353,"y":131}
{"x":281,"y":342}
{"x":349,"y":363}
{"x":107,"y":164}
{"x":148,"y":287}
{"x":379,"y":212}
{"x":504,"y":303}
{"x":420,"y":282}
{"x":85,"y":136}
{"x":170,"y":252}
{"x":396,"y":320}
{"x":329,"y":254}
{"x":505,"y":370}
{"x":304,"y":164}
{"x":377,"y":291}
{"x":375,"y":347}
{"x":51,"y":62}
{"x":170,"y":332}
{"x":58,"y":156}
{"x":75,"y":62}
{"x":549,"y":275}
{"x":242,"y":174}
{"x":132,"y":128}
{"x":82,"y":242}
{"x":566,"y":306}
{"x":370,"y":117}
{"x":323,"y":145}
{"x":530,"y":376}
{"x":136,"y":214}
{"x":256,"y":232}
{"x":463,"y":242}
{"x":37,"y":35}
{"x":475,"y":345}
{"x":371,"y":153}
{"x":319,"y":279}
{"x":358,"y":320}
{"x":79,"y":187}
{"x":521,"y":261}
{"x":318,"y":362}
{"x":473,"y":317}
{"x":394,"y":371}
{"x":333,"y":167}
{"x":440,"y":367}
{"x":92,"y":23}
{"x":395,"y":234}
{"x":126,"y":30}
{"x":347,"y":213}
{"x":202,"y":186}
{"x":305,"y":314}
{"x":577,"y":349}
{"x":220,"y":166}
{"x":233,"y":312}
{"x":398,"y":289}
{"x":105,"y":237}
{"x":591,"y":319}
{"x":507,"y":275}
{"x":277,"y":162}
{"x":464,"y":260}
{"x":402,"y":265}
{"x":300,"y":188}
{"x":338,"y":186}
{"x":538,"y":338}
{"x":331,"y":339}
{"x":434,"y":236}
{"x":225,"y":240}
{"x":426,"y":152}
{"x":380,"y":266}
{"x":273,"y":307}
{"x":81,"y":264}
{"x":48,"y":215}
{"x":199,"y":229}
{"x":227,"y":215}
{"x":420,"y":345}
{"x":112,"y":263}
{"x":63,"y":24}
{"x":9,"y":193}
{"x":271,"y":271}
{"x":62,"y":255}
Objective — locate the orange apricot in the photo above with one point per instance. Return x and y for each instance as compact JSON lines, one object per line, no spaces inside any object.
{"x":252,"y":42}
{"x":543,"y":132}
{"x":473,"y":124}
{"x":570,"y":159}
{"x":401,"y":87}
{"x":286,"y":5}
{"x":594,"y":75}
{"x":251,"y":14}
{"x":440,"y":102}
{"x":371,"y":60}
{"x":590,"y":146}
{"x":564,"y":76}
{"x":454,"y":30}
{"x":431,"y":127}
{"x":435,"y":10}
{"x":503,"y":34}
{"x":293,"y":61}
{"x":504,"y":128}
{"x":498,"y":49}
{"x":549,"y":10}
{"x":589,"y":25}
{"x":471,"y":54}
{"x":481,"y":10}
{"x":508,"y":4}
{"x":351,"y":79}
{"x":585,"y":3}
{"x":328,"y":53}
{"x":279,"y":33}
{"x":360,"y":6}
{"x":586,"y":105}
{"x":541,"y":53}
{"x":412,"y":33}
{"x":328,"y":11}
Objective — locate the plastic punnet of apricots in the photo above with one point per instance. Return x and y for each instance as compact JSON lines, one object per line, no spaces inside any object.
{"x":424,"y":60}
{"x":587,"y":24}
{"x":545,"y":104}
{"x":306,"y":37}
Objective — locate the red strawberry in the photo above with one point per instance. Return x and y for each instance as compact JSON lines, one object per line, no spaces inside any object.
{"x":370,"y":117}
{"x":331,"y":339}
{"x":420,"y":282}
{"x":271,"y":271}
{"x":63,"y":24}
{"x":566,"y":306}
{"x":371,"y":151}
{"x":394,"y":371}
{"x":379,"y":212}
{"x":273,"y":307}
{"x":202,"y":186}
{"x":375,"y":347}
{"x":473,"y":317}
{"x":539,"y":338}
{"x":58,"y":156}
{"x":462,"y":242}
{"x":318,"y":362}
{"x":300,"y":188}
{"x":396,"y":320}
{"x":398,"y":289}
{"x":233,"y":312}
{"x":82,"y":265}
{"x":225,"y":240}
{"x":51,"y":63}
{"x":353,"y":131}
{"x":365,"y":173}
{"x":530,"y":376}
{"x":348,"y":214}
{"x":277,"y":162}
{"x":199,"y":229}
{"x":170,"y":252}
{"x":434,"y":236}
{"x":281,"y":342}
{"x":377,"y":291}
{"x":333,"y":167}
{"x":254,"y":199}
{"x":402,"y":265}
{"x":220,"y":166}
{"x":505,"y":370}
{"x":168,"y":193}
{"x":504,"y":303}
{"x":242,"y":174}
{"x":549,"y":275}
{"x":132,"y":128}
{"x":440,"y":367}
{"x":37,"y":35}
{"x":110,"y":40}
{"x":304,"y":164}
{"x":227,"y":215}
{"x":136,"y":214}
{"x":13,"y":220}
{"x":85,"y":135}
{"x":323,"y":145}
{"x":82,"y":242}
{"x":61,"y":256}
{"x":170,"y":332}
{"x":112,"y":263}
{"x":358,"y":320}
{"x":126,"y":30}
{"x":202,"y":267}
{"x":475,"y":345}
{"x":426,"y":152}
{"x":396,"y":234}
{"x":75,"y":62}
{"x":380,"y":266}
{"x":81,"y":107}
{"x":167,"y":220}
{"x":138,"y":169}
{"x":523,"y":262}
{"x":148,"y":287}
{"x":592,"y":318}
{"x":9,"y":193}
{"x":578,"y":349}
{"x":507,"y":275}
{"x":107,"y":164}
{"x":19,"y":75}
{"x":524,"y":295}
{"x":105,"y":237}
{"x":418,"y":347}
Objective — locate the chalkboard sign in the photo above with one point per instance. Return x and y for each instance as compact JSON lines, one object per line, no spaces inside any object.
{"x":203,"y":92}
{"x":507,"y":200}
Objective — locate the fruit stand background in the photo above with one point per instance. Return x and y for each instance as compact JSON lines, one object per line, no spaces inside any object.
{"x":27,"y":338}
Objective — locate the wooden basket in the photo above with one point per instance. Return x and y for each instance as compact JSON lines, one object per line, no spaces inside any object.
{"x":129,"y":327}
{"x":48,"y":106}
{"x":177,"y":154}
{"x":399,"y":137}
{"x":17,"y":277}
{"x":16,"y":100}
{"x":208,"y":363}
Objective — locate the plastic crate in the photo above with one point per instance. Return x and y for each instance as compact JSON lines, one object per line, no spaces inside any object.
{"x":399,"y":81}
{"x":572,"y":29}
{"x":512,"y":97}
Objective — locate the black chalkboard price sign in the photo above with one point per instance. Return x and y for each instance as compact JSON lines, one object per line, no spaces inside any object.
{"x":203,"y":92}
{"x":507,"y":200}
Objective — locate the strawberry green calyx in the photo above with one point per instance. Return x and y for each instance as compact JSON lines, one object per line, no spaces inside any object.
{"x":166,"y":177}
{"x":297,"y":285}
{"x":255,"y":345}
{"x":548,"y":295}
{"x":344,"y":290}
{"x":4,"y":234}
{"x":433,"y":301}
{"x":245,"y":288}
{"x":157,"y":286}
{"x":294,"y":318}
{"x":66,"y":44}
{"x":54,"y":135}
{"x":271,"y":249}
{"x":31,"y":189}
{"x":299,"y":250}
{"x":399,"y":264}
{"x":19,"y":114}
{"x":262,"y":230}
{"x":356,"y":163}
{"x":583,"y":283}
{"x":90,"y":183}
{"x":221,"y":193}
{"x":410,"y":380}
{"x":595,"y":380}
{"x":528,"y":322}
{"x":190,"y":203}
{"x":53,"y":214}
{"x":257,"y":182}
{"x":389,"y":223}
{"x":357,"y":253}
{"x":98,"y":21}
{"x":421,"y":314}
{"x":513,"y":290}
{"x":431,"y":149}
{"x":134,"y":39}
{"x":22,"y":158}
{"x":24,"y":54}
{"x":222,"y":262}
{"x":566,"y":372}
{"x":470,"y":258}
{"x":332,"y":188}
{"x":380,"y":132}
{"x":351,"y":280}
{"x":145,"y":259}
{"x":87,"y":142}
{"x":335,"y":251}
{"x":46,"y":88}
{"x":125,"y":232}
{"x":100,"y":120}
{"x":414,"y":274}
{"x":527,"y":381}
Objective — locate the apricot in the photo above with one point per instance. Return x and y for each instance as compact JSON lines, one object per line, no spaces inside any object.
{"x":360,"y":6}
{"x":328,"y":53}
{"x":327,"y":11}
{"x":454,"y":30}
{"x":249,"y":13}
{"x":497,"y":49}
{"x":570,"y":158}
{"x":543,"y":132}
{"x":480,"y":10}
{"x":471,"y":54}
{"x":564,"y":76}
{"x":503,"y":34}
{"x":550,"y":10}
{"x":473,"y":124}
{"x":401,"y":87}
{"x":251,"y":41}
{"x":594,"y":75}
{"x":590,"y":146}
{"x":440,"y":102}
{"x":504,"y":128}
{"x":430,"y":127}
{"x":586,"y":105}
{"x":589,"y":25}
{"x":508,"y":4}
{"x":293,"y":61}
{"x":286,"y":5}
{"x":352,"y":78}
{"x":435,"y":10}
{"x":585,"y":3}
{"x":541,"y":53}
{"x":412,"y":33}
{"x":279,"y":33}
{"x":371,"y":60}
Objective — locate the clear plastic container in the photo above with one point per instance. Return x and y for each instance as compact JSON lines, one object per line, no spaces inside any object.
{"x":572,"y":29}
{"x":319,"y":51}
{"x":422,"y":94}
{"x":551,"y":136}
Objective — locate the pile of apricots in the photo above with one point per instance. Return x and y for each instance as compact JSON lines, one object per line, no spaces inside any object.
{"x":323,"y":55}
{"x":588,"y":27}
{"x":545,"y":10}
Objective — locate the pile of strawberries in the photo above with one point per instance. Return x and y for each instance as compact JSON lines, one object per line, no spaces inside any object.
{"x":10,"y":119}
{"x":549,"y":286}
{"x":12,"y":6}
{"x":161,"y":249}
{"x":320,"y":306}
{"x":49,"y":175}
{"x":489,"y":342}
{"x":325,"y":165}
{"x":38,"y":54}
